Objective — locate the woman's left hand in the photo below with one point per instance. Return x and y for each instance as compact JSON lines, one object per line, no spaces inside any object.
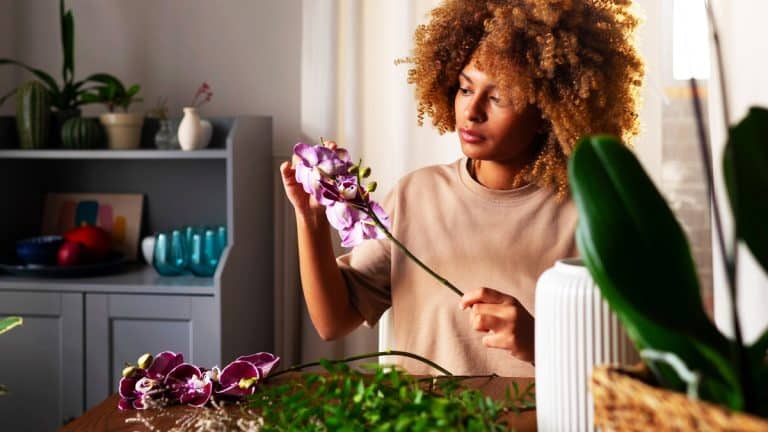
{"x":509,"y":325}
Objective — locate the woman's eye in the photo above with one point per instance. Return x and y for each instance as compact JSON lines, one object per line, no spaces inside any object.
{"x":464,"y":91}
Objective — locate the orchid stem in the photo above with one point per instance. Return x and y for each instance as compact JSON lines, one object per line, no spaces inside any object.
{"x":405,"y":250}
{"x":365,"y":356}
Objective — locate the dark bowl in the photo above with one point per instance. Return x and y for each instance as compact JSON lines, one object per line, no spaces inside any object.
{"x":39,"y":250}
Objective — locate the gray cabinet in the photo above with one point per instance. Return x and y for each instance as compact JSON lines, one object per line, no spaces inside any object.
{"x":78,"y":332}
{"x":122,"y":327}
{"x":41,"y":362}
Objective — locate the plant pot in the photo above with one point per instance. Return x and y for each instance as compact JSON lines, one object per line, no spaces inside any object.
{"x":82,"y":133}
{"x":624,"y":401}
{"x":58,"y":118}
{"x":575,"y":330}
{"x":123,"y":130}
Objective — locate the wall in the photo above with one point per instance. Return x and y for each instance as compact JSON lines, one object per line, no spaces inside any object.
{"x":8,"y":75}
{"x":249,"y":51}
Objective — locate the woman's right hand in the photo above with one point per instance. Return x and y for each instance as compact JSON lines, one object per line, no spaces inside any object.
{"x":303,"y":203}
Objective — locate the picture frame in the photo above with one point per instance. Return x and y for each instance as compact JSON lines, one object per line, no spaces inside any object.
{"x":118,"y":214}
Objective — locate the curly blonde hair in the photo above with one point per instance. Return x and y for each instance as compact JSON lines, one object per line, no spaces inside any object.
{"x":575,"y":60}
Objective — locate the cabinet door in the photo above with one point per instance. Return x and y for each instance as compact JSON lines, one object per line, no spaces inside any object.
{"x":120,"y":328}
{"x":41,"y":362}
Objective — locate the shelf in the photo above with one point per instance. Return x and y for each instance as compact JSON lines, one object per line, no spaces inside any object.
{"x":135,"y":279}
{"x":113,"y":154}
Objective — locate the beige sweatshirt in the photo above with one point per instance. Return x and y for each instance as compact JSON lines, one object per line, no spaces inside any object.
{"x":474,"y":237}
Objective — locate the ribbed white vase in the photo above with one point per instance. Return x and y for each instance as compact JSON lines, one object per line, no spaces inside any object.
{"x":575,"y":330}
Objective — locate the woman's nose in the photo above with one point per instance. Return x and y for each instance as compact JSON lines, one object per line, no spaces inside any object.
{"x":474,"y":111}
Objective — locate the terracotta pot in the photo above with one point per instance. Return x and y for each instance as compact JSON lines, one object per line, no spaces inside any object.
{"x":123,"y":129}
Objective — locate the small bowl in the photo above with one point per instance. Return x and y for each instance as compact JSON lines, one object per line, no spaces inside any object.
{"x":39,"y":251}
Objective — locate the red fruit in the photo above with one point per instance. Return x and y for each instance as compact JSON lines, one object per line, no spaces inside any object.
{"x":70,"y":254}
{"x":96,"y":241}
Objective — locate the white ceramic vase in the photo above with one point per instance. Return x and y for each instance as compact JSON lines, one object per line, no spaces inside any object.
{"x":575,"y":330}
{"x":190,"y":130}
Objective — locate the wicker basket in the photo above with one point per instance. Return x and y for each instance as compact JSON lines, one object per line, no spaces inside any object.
{"x":623,"y":402}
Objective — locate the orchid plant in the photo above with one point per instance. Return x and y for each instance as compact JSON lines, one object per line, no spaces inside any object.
{"x":167,"y":380}
{"x":330,"y":177}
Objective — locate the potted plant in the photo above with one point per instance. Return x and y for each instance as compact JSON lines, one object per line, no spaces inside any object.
{"x":123,"y":128}
{"x":638,"y":255}
{"x":652,"y":285}
{"x":64,"y":99}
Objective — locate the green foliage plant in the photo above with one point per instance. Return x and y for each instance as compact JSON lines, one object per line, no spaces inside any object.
{"x":112,"y":93}
{"x":638,"y":255}
{"x":70,"y":93}
{"x":344,"y":399}
{"x":7,"y":324}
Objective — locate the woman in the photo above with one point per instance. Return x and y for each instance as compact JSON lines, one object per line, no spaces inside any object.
{"x":520,"y":81}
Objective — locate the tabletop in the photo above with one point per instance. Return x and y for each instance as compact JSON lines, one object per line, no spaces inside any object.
{"x":107,"y":417}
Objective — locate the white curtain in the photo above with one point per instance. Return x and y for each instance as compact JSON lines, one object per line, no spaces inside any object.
{"x":741,"y":27}
{"x":351,"y":91}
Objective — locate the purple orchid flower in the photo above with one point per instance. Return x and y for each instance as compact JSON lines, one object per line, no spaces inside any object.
{"x":263,"y":360}
{"x":355,"y":225}
{"x":318,"y":164}
{"x":240,"y":377}
{"x":129,"y":396}
{"x":163,"y":363}
{"x":188,"y":385}
{"x":325,"y":174}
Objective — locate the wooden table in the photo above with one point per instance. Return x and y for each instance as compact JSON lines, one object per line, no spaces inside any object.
{"x":106,"y":416}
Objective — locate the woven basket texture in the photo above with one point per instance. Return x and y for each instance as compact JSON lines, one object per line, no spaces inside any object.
{"x":623,"y":402}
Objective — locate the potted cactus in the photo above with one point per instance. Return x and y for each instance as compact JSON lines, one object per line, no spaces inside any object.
{"x":65,"y":98}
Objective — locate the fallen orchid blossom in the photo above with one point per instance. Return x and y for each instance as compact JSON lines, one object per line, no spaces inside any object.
{"x":167,"y":378}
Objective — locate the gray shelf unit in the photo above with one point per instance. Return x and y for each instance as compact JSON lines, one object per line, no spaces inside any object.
{"x":120,"y":316}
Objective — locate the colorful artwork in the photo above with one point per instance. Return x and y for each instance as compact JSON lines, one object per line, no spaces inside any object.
{"x":119,"y":214}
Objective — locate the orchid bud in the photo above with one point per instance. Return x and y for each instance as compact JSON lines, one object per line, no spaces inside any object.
{"x":354,"y":169}
{"x":365,"y":172}
{"x":128,"y":371}
{"x":371,"y":187}
{"x":145,"y":360}
{"x":247,"y":382}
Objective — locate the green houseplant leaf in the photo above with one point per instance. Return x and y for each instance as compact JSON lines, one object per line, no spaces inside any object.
{"x":67,"y":43}
{"x":9,"y":323}
{"x":747,"y":186}
{"x":638,"y":255}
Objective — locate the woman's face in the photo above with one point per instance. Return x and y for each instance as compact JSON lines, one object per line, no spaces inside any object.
{"x":490,"y":127}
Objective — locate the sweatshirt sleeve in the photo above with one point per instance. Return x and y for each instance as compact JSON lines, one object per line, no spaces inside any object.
{"x":367,"y":271}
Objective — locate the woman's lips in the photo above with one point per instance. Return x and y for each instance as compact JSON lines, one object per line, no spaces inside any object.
{"x":470,"y":136}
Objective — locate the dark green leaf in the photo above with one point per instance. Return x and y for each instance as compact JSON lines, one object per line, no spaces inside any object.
{"x":68,"y":46}
{"x":745,"y":167}
{"x":6,"y":96}
{"x":639,"y":257}
{"x":637,"y":239}
{"x":758,"y":351}
{"x":41,"y":75}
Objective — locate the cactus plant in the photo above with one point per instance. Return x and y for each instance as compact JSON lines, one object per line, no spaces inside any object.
{"x":33,"y":114}
{"x":82,"y":133}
